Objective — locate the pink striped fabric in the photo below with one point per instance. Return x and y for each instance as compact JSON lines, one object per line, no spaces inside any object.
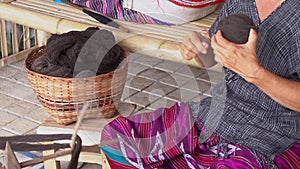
{"x":114,"y":9}
{"x":167,"y":138}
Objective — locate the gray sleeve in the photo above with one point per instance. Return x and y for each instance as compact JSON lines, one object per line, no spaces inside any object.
{"x":223,"y":13}
{"x":295,"y":59}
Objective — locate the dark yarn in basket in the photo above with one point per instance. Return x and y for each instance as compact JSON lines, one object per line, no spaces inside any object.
{"x":63,"y":97}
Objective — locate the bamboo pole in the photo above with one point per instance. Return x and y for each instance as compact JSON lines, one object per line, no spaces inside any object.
{"x":35,"y":37}
{"x":15,"y":41}
{"x":4,"y":48}
{"x":42,"y":37}
{"x":39,"y":21}
{"x":53,"y":5}
{"x":6,"y":1}
{"x":26,"y":37}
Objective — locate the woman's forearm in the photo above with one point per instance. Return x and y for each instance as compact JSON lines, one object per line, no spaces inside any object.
{"x":285,"y":92}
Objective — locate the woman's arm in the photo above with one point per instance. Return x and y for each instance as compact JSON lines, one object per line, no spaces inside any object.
{"x":283,"y":91}
{"x":242,"y":59}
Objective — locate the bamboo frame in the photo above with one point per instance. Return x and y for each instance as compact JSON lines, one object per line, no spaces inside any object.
{"x":38,"y":20}
{"x":12,"y":53}
{"x":163,"y":43}
{"x":6,"y":1}
{"x":15,"y":57}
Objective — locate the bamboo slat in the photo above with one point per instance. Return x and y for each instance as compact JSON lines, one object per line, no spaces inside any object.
{"x":38,"y":20}
{"x":6,"y":1}
{"x":35,"y":37}
{"x":51,"y":4}
{"x":15,"y":41}
{"x":26,"y":37}
{"x":41,"y":37}
{"x":4,"y":48}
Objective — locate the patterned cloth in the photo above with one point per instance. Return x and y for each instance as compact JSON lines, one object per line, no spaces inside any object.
{"x":167,"y":138}
{"x":239,"y":111}
{"x":115,"y":9}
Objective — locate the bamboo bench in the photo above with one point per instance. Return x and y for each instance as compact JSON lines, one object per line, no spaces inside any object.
{"x":158,"y":40}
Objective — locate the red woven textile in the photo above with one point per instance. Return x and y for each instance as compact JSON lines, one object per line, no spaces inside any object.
{"x":195,"y":3}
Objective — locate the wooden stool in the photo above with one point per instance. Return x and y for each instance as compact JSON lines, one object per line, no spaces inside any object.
{"x":89,"y":132}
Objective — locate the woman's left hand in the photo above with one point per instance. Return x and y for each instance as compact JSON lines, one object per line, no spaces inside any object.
{"x":240,"y":58}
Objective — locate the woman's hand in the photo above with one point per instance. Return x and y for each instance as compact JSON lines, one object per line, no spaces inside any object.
{"x":240,"y":58}
{"x":196,"y":46}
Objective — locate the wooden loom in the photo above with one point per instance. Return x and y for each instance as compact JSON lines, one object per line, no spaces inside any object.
{"x":34,"y":143}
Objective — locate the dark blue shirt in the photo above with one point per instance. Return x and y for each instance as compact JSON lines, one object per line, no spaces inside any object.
{"x":239,"y":111}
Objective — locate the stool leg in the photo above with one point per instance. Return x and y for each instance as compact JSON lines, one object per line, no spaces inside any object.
{"x":104,"y":162}
{"x":52,"y":163}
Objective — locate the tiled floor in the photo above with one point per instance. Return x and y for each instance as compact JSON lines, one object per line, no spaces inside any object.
{"x":151,"y":83}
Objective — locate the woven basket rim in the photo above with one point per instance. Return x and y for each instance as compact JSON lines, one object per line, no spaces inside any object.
{"x":124,"y":56}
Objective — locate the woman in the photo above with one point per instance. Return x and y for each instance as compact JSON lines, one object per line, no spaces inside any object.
{"x":253,"y":117}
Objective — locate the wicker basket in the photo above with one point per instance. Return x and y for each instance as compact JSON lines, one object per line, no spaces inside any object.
{"x":63,"y":97}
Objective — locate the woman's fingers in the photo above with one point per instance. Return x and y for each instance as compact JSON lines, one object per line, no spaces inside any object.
{"x":189,"y":44}
{"x":197,"y":41}
{"x":187,"y":53}
{"x":222,"y":42}
{"x":193,"y":46}
{"x":252,"y":39}
{"x":240,"y":58}
{"x":221,"y":49}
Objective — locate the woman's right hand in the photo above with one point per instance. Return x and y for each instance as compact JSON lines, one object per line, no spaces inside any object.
{"x":196,"y":46}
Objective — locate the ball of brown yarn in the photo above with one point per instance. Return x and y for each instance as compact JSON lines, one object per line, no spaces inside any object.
{"x":236,"y":27}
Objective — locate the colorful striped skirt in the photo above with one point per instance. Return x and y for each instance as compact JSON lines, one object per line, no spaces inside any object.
{"x":168,"y":138}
